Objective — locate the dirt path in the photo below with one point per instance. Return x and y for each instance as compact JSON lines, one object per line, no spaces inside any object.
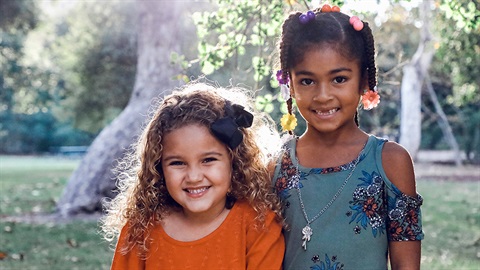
{"x":442,"y":172}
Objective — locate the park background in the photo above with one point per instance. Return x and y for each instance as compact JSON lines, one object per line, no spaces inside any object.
{"x":77,"y":79}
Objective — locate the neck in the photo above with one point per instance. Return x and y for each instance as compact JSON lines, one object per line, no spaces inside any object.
{"x":330,"y":139}
{"x":184,"y":226}
{"x":203,"y":218}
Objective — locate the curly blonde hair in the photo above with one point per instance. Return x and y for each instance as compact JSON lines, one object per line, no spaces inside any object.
{"x":143,"y":199}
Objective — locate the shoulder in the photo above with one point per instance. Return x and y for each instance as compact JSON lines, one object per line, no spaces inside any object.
{"x":244,"y":209}
{"x":249,"y":213}
{"x":398,"y":166}
{"x":278,"y":157}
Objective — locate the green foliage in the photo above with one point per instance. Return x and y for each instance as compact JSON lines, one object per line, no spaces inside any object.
{"x":97,"y":49}
{"x":236,"y":27}
{"x":64,"y":71}
{"x":465,"y":14}
{"x":18,"y":16}
{"x":36,"y":133}
{"x":29,"y":92}
{"x":231,"y":33}
{"x":456,"y":71}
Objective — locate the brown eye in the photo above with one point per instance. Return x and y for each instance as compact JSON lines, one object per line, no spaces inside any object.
{"x":210,"y":159}
{"x":340,"y":79}
{"x":176,"y":163}
{"x":306,"y":82}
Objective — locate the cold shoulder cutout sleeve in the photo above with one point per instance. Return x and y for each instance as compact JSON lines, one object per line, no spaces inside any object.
{"x":398,"y":167}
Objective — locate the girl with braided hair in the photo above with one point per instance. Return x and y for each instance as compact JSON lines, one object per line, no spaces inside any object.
{"x":196,"y":192}
{"x":349,"y":198}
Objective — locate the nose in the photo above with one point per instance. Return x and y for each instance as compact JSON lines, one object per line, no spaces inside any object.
{"x":194,"y":174}
{"x":322,"y":93}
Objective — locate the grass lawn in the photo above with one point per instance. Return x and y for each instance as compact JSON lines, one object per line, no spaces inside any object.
{"x":31,"y":185}
{"x":451,"y":222}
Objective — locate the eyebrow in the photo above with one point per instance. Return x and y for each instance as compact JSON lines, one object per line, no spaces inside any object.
{"x":337,"y":70}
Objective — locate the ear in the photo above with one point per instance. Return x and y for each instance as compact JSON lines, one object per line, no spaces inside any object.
{"x":292,"y":91}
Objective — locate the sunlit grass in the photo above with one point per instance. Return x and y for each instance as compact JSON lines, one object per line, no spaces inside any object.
{"x":30,"y":186}
{"x":75,"y":245}
{"x":451,"y":222}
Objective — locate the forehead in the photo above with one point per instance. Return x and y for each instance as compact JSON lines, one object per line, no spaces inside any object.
{"x":325,"y":58}
{"x":191,"y":139}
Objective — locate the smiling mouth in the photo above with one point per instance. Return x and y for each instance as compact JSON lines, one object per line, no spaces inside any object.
{"x":196,"y":190}
{"x":325,"y":113}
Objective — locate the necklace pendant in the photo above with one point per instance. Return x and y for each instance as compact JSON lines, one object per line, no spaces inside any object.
{"x":307,"y":234}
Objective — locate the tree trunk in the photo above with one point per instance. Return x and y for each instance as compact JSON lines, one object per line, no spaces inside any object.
{"x":411,"y":89}
{"x":158,"y":36}
{"x":443,"y":123}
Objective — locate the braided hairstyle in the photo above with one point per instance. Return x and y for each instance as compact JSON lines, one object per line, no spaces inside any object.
{"x":333,"y":29}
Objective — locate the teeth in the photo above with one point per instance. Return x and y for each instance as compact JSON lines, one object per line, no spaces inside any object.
{"x":327,"y":112}
{"x":196,"y":191}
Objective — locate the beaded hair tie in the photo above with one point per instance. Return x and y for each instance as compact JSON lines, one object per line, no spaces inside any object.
{"x":356,"y":23}
{"x":309,"y":16}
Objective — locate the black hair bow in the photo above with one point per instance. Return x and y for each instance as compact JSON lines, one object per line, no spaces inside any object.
{"x":227,"y":130}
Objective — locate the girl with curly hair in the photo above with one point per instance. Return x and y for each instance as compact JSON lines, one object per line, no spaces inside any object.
{"x":197,"y":194}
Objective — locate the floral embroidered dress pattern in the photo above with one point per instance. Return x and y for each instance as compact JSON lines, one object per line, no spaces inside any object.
{"x":370,"y":207}
{"x":328,"y":264}
{"x":368,"y":204}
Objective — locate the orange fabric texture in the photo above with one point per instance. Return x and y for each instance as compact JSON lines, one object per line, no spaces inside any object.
{"x":235,"y":244}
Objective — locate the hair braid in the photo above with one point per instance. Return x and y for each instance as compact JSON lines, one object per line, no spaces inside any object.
{"x":285,"y":43}
{"x":370,"y":56}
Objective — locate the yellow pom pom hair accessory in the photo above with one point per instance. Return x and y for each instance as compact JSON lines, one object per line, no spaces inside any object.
{"x":288,"y":122}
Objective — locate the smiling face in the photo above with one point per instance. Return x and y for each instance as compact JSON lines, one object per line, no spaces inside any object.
{"x":197,"y":169}
{"x":326,"y":87}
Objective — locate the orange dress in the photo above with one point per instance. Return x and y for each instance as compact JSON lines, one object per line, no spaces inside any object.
{"x":235,"y":244}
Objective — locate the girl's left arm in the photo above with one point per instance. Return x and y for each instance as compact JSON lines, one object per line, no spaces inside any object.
{"x":265,"y":246}
{"x":398,"y":167}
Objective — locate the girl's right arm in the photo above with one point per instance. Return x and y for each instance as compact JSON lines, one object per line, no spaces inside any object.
{"x":130,"y":260}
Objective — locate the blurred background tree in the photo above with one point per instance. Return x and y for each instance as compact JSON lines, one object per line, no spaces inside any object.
{"x":29,"y":92}
{"x":238,"y":27}
{"x":70,"y":69}
{"x":96,"y":47}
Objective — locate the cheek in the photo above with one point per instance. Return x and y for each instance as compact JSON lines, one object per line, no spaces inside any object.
{"x":172,"y":179}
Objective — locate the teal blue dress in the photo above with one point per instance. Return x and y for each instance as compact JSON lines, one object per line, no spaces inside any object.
{"x":355,"y":213}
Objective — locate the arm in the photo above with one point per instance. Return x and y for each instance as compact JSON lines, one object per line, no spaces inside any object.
{"x":265,"y":246}
{"x":398,"y":167}
{"x":130,"y":260}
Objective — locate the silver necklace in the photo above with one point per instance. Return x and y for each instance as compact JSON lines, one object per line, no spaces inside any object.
{"x":307,"y":231}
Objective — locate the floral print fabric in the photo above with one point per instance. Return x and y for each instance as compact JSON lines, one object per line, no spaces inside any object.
{"x":373,"y":209}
